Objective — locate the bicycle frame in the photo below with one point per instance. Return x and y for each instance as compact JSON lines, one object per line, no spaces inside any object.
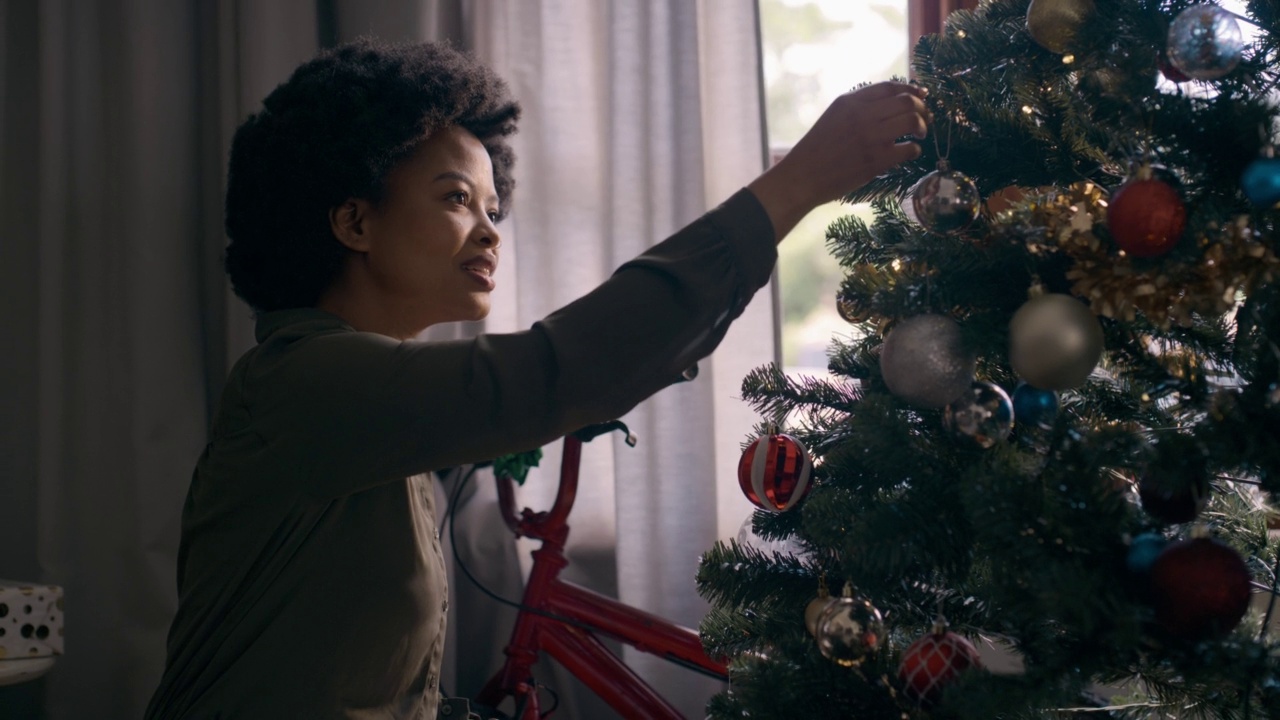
{"x":549,"y":601}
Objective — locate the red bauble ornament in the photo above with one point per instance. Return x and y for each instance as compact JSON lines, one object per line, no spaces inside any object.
{"x":1172,"y":498}
{"x":933,"y":662}
{"x":774,"y":472}
{"x":1199,"y":588}
{"x":1146,"y":217}
{"x":1170,"y":72}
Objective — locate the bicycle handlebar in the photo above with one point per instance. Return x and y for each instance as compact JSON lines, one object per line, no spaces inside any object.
{"x":542,"y":524}
{"x":591,"y":432}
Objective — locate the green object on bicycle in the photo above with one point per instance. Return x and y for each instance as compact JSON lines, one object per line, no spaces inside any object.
{"x":517,"y":465}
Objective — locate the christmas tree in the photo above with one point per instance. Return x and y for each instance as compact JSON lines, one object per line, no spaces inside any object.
{"x":1054,"y":425}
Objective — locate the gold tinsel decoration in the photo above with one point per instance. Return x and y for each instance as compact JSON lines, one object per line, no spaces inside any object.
{"x":1234,"y":259}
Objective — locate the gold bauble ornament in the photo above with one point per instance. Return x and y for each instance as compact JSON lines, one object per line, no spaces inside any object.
{"x":813,"y":611}
{"x":851,"y":312}
{"x":1053,"y":24}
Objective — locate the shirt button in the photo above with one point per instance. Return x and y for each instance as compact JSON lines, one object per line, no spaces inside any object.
{"x":444,"y":606}
{"x":431,"y":679}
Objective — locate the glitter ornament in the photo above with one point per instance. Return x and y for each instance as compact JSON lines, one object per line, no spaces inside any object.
{"x":1173,"y":498}
{"x":945,"y":201}
{"x":1146,"y":216}
{"x":774,"y":472}
{"x":933,"y":662}
{"x":924,"y":361}
{"x":1205,"y":42}
{"x":1261,"y":179}
{"x":984,"y":414}
{"x":1199,"y":588}
{"x":1054,"y":342}
{"x":849,"y":629}
{"x":1033,"y":407}
{"x":1053,"y":24}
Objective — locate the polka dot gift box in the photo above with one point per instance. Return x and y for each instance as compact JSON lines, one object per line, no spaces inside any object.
{"x":30,"y":620}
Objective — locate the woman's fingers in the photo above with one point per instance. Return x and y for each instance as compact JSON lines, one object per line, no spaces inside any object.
{"x":889,"y":89}
{"x":897,"y":126}
{"x":900,"y":104}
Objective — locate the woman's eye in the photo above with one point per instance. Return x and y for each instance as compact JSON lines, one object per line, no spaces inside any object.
{"x":493,"y":217}
{"x":459,"y":197}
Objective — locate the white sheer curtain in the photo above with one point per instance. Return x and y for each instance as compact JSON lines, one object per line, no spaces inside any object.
{"x":639,"y":117}
{"x":115,"y":118}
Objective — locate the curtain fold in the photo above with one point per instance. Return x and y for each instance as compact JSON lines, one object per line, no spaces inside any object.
{"x":116,"y":117}
{"x":639,"y":117}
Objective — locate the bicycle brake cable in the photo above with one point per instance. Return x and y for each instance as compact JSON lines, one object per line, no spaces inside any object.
{"x":453,"y":542}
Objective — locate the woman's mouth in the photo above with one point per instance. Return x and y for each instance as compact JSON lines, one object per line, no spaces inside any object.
{"x":481,"y":271}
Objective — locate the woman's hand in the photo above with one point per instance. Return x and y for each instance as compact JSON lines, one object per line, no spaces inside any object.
{"x":855,"y":140}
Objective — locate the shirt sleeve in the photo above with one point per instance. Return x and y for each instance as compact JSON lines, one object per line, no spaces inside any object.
{"x":360,"y":409}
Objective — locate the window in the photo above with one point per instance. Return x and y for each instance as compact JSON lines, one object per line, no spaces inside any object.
{"x":813,"y":51}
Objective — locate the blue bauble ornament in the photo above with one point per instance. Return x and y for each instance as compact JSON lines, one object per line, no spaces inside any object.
{"x":1034,"y":407}
{"x":1261,"y":181}
{"x":1143,"y":551}
{"x":1205,"y":42}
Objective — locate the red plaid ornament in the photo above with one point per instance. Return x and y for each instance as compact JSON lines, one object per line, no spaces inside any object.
{"x":774,"y":472}
{"x":932,"y":662}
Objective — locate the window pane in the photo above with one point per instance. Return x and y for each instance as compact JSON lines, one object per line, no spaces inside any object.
{"x":813,"y":51}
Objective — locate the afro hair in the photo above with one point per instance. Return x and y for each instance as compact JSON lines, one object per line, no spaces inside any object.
{"x":334,"y":131}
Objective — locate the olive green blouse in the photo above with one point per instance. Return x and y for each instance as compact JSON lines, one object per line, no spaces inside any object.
{"x":310,"y":578}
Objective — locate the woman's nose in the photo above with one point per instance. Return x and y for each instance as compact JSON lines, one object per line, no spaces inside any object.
{"x":487,"y":234}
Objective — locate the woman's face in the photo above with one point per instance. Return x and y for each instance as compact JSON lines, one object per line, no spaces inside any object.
{"x":430,"y":247}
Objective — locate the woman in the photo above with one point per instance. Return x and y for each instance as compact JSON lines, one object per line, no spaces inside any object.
{"x":363,"y":205}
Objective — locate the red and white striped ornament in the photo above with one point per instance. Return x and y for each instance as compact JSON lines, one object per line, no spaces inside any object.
{"x":774,"y":472}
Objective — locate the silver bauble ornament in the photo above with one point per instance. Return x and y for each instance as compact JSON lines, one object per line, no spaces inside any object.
{"x":925,"y":362}
{"x":1053,"y":24}
{"x":1054,"y":342}
{"x":1205,"y":42}
{"x":849,"y":630}
{"x":945,"y":201}
{"x":984,"y":414}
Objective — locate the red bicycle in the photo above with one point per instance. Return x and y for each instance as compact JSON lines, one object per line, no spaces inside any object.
{"x":566,"y":621}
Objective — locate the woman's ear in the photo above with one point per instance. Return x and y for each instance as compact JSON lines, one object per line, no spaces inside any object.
{"x":348,"y":223}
